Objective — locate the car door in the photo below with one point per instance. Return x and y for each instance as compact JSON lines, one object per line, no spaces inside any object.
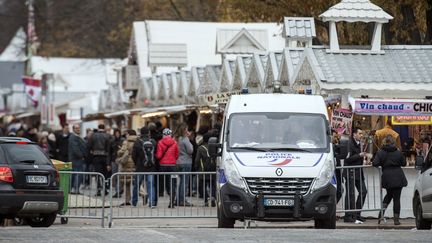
{"x":426,"y":186}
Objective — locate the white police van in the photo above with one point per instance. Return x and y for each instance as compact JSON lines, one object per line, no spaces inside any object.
{"x":275,"y":160}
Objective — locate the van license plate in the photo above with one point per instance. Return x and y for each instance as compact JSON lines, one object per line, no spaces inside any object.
{"x":279,"y":202}
{"x":37,"y":179}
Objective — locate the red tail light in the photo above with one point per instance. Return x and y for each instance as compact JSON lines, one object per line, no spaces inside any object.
{"x":21,"y":142}
{"x":6,"y":174}
{"x":57,"y":177}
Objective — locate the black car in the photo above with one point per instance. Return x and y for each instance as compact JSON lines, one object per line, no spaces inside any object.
{"x":29,"y":183}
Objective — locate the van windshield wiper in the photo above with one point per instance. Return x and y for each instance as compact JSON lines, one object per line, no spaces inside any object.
{"x":29,"y":161}
{"x":253,"y":149}
{"x":290,"y":149}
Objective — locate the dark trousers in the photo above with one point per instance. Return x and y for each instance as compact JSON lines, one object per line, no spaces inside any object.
{"x":207,"y":186}
{"x":99,"y":165}
{"x":338,"y":185}
{"x":170,"y":183}
{"x":355,"y":179}
{"x":395,"y":194}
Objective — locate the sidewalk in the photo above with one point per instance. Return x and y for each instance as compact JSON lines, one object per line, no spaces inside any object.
{"x":370,"y":223}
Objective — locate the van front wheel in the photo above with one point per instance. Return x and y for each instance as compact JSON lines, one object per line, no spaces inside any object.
{"x":223,"y":221}
{"x":329,"y":223}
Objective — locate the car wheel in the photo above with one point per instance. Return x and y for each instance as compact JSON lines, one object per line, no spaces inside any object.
{"x":223,"y":221}
{"x":421,"y":223}
{"x":329,"y":223}
{"x":45,"y":220}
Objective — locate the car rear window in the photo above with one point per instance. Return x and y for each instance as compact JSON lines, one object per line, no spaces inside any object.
{"x":24,"y":153}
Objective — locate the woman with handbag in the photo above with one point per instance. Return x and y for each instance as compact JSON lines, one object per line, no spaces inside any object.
{"x":126,"y":164}
{"x":393,"y":178}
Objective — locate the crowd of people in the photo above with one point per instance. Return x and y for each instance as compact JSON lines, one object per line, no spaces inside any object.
{"x":355,"y":154}
{"x":151,"y":149}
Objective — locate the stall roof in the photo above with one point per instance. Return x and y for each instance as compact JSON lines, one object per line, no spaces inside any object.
{"x":409,"y":66}
{"x":77,"y":73}
{"x":356,"y":10}
{"x":199,"y":37}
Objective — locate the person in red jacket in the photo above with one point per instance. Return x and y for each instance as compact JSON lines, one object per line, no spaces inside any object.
{"x":167,"y":153}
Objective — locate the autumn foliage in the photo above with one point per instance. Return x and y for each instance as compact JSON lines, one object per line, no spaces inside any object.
{"x":101,"y":28}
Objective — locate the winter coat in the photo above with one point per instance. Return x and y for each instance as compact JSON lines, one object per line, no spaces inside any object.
{"x":116,"y":144}
{"x":167,"y":151}
{"x":139,"y":158}
{"x":391,"y":159}
{"x":77,"y":148}
{"x":62,"y":142}
{"x":99,"y":144}
{"x":354,"y":159}
{"x":203,"y":161}
{"x":185,"y":151}
{"x":128,"y":145}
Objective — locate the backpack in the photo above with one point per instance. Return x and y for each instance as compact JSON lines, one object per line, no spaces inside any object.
{"x":148,"y":149}
{"x":207,"y":163}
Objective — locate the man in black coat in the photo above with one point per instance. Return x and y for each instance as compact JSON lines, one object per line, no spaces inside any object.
{"x":99,"y":146}
{"x":355,"y":178}
{"x":62,"y":144}
{"x":139,"y":159}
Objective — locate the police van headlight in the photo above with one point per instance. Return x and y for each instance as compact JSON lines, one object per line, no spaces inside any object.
{"x":232,"y":174}
{"x":325,"y":174}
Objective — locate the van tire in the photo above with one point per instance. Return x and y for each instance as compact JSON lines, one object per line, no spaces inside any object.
{"x":329,"y":223}
{"x":421,"y":223}
{"x":223,"y":221}
{"x":45,"y":220}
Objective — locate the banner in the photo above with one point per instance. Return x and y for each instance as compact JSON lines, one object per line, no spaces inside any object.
{"x":412,"y":120}
{"x":341,"y":121}
{"x":32,"y":88}
{"x":219,"y":98}
{"x":393,"y":107}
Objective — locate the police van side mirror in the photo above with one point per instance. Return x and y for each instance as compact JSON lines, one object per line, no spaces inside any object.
{"x":419,"y":162}
{"x":214,"y":147}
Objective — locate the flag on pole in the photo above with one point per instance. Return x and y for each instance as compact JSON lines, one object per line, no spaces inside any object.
{"x":33,"y":41}
{"x":32,"y":88}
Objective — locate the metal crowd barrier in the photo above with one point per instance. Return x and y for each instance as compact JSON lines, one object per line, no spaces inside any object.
{"x":175,"y":195}
{"x":360,"y":190}
{"x":89,"y":194}
{"x":85,"y":194}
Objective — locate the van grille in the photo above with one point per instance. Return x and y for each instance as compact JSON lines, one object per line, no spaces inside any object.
{"x":279,"y":186}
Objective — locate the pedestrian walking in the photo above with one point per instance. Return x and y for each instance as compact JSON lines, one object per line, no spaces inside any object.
{"x":393,"y":179}
{"x":126,"y":164}
{"x":116,"y":144}
{"x":143,"y":155}
{"x":167,"y":153}
{"x":355,"y":178}
{"x":77,"y":150}
{"x":184,"y":162}
{"x":62,"y":143}
{"x":99,"y":145}
{"x":338,"y":172}
{"x":204,"y":163}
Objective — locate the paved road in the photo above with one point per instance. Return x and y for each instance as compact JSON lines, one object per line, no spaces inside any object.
{"x":81,"y":234}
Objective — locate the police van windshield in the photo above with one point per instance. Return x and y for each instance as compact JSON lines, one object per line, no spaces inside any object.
{"x":278,"y":131}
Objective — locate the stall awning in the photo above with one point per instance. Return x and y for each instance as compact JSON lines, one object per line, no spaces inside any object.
{"x":162,"y":111}
{"x":392,"y":107}
{"x":27,"y":114}
{"x":125,"y":112}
